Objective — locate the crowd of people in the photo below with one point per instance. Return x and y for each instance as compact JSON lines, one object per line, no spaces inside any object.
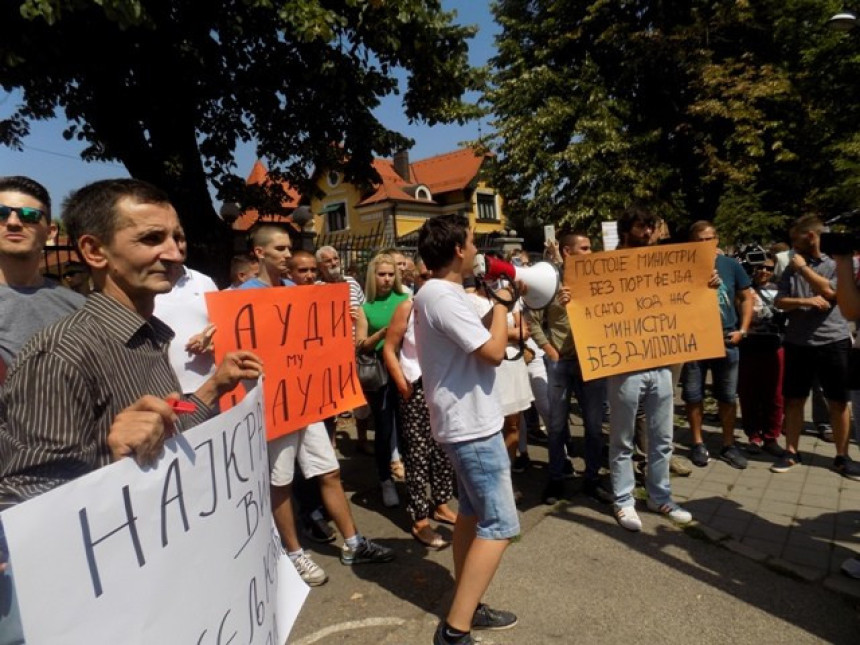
{"x":466,"y":376}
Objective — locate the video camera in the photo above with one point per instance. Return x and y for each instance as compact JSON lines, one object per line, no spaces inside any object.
{"x":845,"y":242}
{"x":751,"y":256}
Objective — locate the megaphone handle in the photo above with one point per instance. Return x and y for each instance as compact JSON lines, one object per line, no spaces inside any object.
{"x":515,"y":295}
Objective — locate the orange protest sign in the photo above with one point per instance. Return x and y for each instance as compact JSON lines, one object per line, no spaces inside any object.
{"x":304,"y":337}
{"x":646,"y":307}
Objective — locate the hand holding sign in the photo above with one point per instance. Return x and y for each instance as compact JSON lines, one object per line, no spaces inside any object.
{"x":140,"y":430}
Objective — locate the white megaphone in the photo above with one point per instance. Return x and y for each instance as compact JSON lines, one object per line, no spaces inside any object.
{"x":542,"y":279}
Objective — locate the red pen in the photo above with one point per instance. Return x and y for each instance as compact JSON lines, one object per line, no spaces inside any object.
{"x":182,"y":407}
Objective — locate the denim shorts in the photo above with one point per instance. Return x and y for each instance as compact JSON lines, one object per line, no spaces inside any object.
{"x":725,"y":378}
{"x":484,"y":485}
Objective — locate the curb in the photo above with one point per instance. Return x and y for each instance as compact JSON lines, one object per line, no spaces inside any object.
{"x":845,"y":587}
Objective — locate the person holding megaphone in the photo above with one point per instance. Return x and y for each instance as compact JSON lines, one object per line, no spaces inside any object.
{"x":458,"y":355}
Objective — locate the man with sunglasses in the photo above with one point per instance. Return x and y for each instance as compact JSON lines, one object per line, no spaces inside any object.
{"x":28,"y":301}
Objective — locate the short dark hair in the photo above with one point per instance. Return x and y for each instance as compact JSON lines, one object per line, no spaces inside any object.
{"x":262,"y":234}
{"x":634,"y":213}
{"x":92,"y":210}
{"x":567,"y":237}
{"x":27,"y":186}
{"x":438,"y":238}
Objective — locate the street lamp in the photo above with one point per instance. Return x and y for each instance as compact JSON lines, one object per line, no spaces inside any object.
{"x":842,"y":22}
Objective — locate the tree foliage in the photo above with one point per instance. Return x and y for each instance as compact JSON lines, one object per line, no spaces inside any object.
{"x":732,"y":110}
{"x":171,"y":87}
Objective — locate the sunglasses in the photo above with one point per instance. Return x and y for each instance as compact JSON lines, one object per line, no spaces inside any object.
{"x":26,"y":214}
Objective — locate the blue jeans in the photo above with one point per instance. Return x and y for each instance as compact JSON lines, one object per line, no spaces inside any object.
{"x":484,"y":487}
{"x":654,"y":389}
{"x":725,"y":377}
{"x":564,"y":377}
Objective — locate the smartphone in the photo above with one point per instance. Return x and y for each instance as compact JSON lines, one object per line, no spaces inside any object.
{"x":549,"y":233}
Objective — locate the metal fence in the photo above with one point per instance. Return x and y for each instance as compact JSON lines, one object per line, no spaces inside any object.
{"x":54,"y":256}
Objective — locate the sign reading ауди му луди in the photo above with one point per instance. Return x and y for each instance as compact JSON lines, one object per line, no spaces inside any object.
{"x":643,"y":307}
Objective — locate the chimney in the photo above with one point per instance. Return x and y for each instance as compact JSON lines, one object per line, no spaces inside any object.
{"x":401,"y":164}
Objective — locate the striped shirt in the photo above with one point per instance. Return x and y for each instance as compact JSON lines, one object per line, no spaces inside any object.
{"x":66,"y":387}
{"x":356,"y":293}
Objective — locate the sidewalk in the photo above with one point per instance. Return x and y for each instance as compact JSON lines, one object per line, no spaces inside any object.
{"x":804,"y":522}
{"x":575,"y":575}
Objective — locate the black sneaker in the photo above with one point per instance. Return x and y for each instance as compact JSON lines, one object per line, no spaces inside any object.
{"x":521,"y":463}
{"x":538,"y":436}
{"x":772,"y":447}
{"x":733,"y":457}
{"x":787,"y":462}
{"x":494,"y":619}
{"x":553,"y":492}
{"x":440,"y":639}
{"x":699,"y":455}
{"x":365,"y":552}
{"x":596,"y":491}
{"x":318,"y":530}
{"x":847,"y":467}
{"x":568,"y":469}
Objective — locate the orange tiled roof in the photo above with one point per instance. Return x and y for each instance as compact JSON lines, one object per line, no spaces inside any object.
{"x":442,"y":173}
{"x":450,"y":171}
{"x":248,"y":218}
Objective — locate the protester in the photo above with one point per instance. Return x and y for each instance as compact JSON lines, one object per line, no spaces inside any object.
{"x":183,"y":309}
{"x":242,"y":268}
{"x":271,"y":245}
{"x":426,"y":462}
{"x":309,"y":447}
{"x":28,"y":301}
{"x":383,"y":292}
{"x":512,"y":377}
{"x":817,"y":343}
{"x":654,"y":388}
{"x":552,"y":332}
{"x":104,"y":367}
{"x":761,"y":366}
{"x":458,"y":354}
{"x":331,"y":272}
{"x":734,"y":286}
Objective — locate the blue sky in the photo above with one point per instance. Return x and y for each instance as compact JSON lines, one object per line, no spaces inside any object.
{"x":56,"y":163}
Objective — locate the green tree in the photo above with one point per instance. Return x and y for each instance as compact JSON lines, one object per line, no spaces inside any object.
{"x":737,"y":111}
{"x":170,"y":87}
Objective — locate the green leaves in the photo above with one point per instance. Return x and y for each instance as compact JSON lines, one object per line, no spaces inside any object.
{"x":746,"y":112}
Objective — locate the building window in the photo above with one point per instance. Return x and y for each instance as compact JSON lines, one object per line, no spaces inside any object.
{"x":333,"y":178}
{"x":335,"y":217}
{"x":487,"y":207}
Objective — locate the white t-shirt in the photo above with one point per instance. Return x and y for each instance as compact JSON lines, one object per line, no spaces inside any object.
{"x":458,"y":385}
{"x":183,"y":309}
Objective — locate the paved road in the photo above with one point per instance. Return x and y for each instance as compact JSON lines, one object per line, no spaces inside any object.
{"x":574,"y":576}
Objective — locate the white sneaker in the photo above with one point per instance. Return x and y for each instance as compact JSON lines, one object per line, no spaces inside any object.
{"x":389,"y":494}
{"x":309,"y":571}
{"x":628,"y":518}
{"x":672,"y":511}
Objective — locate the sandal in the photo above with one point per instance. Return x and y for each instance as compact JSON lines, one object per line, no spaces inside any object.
{"x":429,"y":538}
{"x":444,"y":519}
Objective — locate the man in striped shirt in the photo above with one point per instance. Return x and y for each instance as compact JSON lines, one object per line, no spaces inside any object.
{"x":104,"y":370}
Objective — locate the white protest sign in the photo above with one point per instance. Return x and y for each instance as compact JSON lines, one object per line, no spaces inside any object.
{"x":179,"y":553}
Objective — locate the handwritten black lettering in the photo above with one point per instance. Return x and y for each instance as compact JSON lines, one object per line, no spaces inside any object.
{"x":175,"y":476}
{"x":89,"y":544}
{"x":245,"y":323}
